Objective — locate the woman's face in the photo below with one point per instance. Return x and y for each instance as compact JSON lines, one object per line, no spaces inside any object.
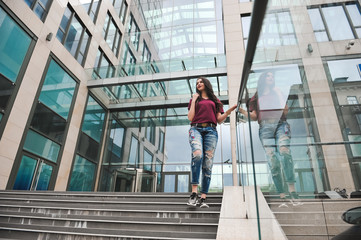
{"x":200,"y":85}
{"x":269,"y":79}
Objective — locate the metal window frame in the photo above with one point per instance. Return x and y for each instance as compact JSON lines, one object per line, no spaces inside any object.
{"x":21,"y":150}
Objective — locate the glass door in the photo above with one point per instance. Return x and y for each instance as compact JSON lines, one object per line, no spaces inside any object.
{"x":125,"y":180}
{"x":33,"y":174}
{"x":176,"y":182}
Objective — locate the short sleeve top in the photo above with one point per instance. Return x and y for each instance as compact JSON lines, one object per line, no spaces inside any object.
{"x":205,"y":111}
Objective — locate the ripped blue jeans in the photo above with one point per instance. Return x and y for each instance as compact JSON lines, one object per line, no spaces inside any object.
{"x":203,"y":142}
{"x":276,"y":138}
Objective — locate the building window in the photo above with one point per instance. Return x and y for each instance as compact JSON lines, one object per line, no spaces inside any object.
{"x":121,"y":8}
{"x":87,"y":157}
{"x":112,"y":34}
{"x":91,"y":7}
{"x":133,"y":160}
{"x":134,"y":32}
{"x":40,"y":7}
{"x":15,"y":45}
{"x":148,"y":160}
{"x":146,"y":53}
{"x":129,"y":60}
{"x":161,"y":141}
{"x":45,"y":135}
{"x":277,"y":29}
{"x":246,"y":23}
{"x":103,"y":68}
{"x":150,"y":132}
{"x":334,"y":22}
{"x":352,"y":100}
{"x":73,"y":35}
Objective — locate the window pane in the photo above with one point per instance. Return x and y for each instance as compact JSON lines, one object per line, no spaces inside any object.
{"x":63,"y":24}
{"x":72,"y":39}
{"x":25,"y":174}
{"x":58,"y":90}
{"x":133,"y":155}
{"x":82,"y":176}
{"x":14,"y":44}
{"x":48,"y":123}
{"x":44,"y":177}
{"x":355,"y":15}
{"x":41,"y":146}
{"x":88,"y":147}
{"x":316,"y":19}
{"x":7,"y":88}
{"x":148,"y":159}
{"x":93,"y":120}
{"x":39,"y":11}
{"x":29,"y":2}
{"x":246,"y":23}
{"x":321,"y":36}
{"x":337,"y":23}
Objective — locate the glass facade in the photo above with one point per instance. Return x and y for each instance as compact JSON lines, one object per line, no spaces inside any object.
{"x":15,"y":45}
{"x":73,"y":35}
{"x":40,"y":7}
{"x":83,"y":173}
{"x":48,"y":126}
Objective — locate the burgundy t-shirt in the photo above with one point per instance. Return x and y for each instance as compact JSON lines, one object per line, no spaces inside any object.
{"x":267,"y":107}
{"x":205,"y":111}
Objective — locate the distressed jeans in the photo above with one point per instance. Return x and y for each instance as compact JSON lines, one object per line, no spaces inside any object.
{"x":203,"y":143}
{"x":276,"y":138}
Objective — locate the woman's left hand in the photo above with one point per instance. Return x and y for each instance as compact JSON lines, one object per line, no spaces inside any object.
{"x":233,"y":107}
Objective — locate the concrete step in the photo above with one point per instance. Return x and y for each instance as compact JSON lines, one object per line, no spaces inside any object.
{"x":195,"y":213}
{"x":74,"y":215}
{"x":39,"y":232}
{"x":316,"y":219}
{"x":174,"y":206}
{"x":89,"y":198}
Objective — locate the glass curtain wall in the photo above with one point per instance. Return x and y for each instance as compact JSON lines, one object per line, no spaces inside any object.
{"x":85,"y":165}
{"x":298,"y":129}
{"x":45,"y":136}
{"x":15,"y":44}
{"x":148,"y":151}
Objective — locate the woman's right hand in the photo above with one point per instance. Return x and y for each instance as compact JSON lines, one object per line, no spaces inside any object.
{"x":195,"y":96}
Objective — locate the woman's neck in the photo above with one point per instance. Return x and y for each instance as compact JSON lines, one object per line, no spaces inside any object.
{"x":204,"y":95}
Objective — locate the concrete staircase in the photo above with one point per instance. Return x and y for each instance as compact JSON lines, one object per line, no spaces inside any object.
{"x":77,"y":215}
{"x":316,"y":219}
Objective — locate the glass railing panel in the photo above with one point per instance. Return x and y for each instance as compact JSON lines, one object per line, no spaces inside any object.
{"x":299,"y":136}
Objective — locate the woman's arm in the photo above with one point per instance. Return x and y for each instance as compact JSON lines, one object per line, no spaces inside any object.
{"x":252,"y":114}
{"x":221,"y":117}
{"x":192,"y":109}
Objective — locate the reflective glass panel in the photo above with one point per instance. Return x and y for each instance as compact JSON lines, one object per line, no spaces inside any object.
{"x":148,"y":160}
{"x":93,"y":120}
{"x":14,"y":44}
{"x":169,"y":183}
{"x":133,"y":154}
{"x":44,"y":174}
{"x":82,"y":176}
{"x":337,"y":23}
{"x":25,"y":173}
{"x":41,"y":146}
{"x":183,"y":183}
{"x":58,"y":90}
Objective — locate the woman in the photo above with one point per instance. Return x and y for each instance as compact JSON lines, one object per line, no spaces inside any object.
{"x":268,"y":107}
{"x":204,"y":112}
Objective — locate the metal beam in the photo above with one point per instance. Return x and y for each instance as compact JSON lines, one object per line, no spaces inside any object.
{"x":170,"y":103}
{"x":207,"y":72}
{"x":258,"y":14}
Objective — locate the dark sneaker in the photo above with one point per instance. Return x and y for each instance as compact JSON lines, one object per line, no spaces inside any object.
{"x":193,"y":200}
{"x":203,"y":203}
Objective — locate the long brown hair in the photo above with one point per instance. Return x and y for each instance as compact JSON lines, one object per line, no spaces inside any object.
{"x":261,"y":84}
{"x":209,"y":90}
